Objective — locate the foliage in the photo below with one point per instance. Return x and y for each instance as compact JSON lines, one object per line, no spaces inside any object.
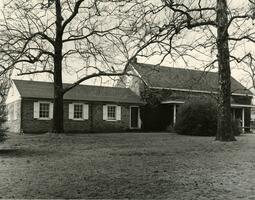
{"x":154,"y":97}
{"x":3,"y":114}
{"x":154,"y":115}
{"x":199,"y":117}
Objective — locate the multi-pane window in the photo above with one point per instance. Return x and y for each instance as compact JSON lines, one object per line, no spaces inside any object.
{"x":44,"y":110}
{"x":111,"y":112}
{"x":78,"y":110}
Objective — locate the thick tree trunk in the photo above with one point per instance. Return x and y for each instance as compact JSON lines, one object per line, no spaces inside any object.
{"x":224,"y":130}
{"x":58,"y":108}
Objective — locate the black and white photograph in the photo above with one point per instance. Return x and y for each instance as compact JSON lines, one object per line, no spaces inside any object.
{"x":127,"y":99}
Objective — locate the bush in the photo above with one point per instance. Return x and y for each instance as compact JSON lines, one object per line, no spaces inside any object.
{"x":199,"y":117}
{"x":2,"y":121}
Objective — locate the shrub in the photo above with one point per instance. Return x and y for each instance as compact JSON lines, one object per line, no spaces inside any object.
{"x":199,"y":117}
{"x":2,"y":121}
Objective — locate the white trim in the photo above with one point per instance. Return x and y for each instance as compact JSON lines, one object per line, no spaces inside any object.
{"x":105,"y":112}
{"x":118,"y":113}
{"x":138,"y":118}
{"x":85,"y":111}
{"x":234,"y":105}
{"x":174,"y":117}
{"x":200,"y":91}
{"x":70,"y":110}
{"x":242,"y":106}
{"x":243,"y":118}
{"x":239,"y":94}
{"x":51,"y":110}
{"x":172,"y":101}
{"x":138,"y":74}
{"x":36,"y":110}
{"x":13,"y":94}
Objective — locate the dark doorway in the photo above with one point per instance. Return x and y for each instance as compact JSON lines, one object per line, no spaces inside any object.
{"x":134,"y":121}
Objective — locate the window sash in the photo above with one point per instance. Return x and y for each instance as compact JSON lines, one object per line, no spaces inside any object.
{"x":78,"y":111}
{"x":111,"y":112}
{"x":44,"y":110}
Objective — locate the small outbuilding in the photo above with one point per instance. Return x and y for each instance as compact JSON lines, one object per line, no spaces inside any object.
{"x":86,"y":108}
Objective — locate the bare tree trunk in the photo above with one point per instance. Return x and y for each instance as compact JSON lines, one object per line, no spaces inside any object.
{"x":224,"y":130}
{"x":58,"y":109}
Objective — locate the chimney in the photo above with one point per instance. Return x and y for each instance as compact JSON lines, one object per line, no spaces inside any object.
{"x":134,"y":60}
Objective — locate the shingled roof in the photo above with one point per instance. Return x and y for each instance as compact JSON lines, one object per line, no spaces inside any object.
{"x":180,"y":78}
{"x":44,"y":90}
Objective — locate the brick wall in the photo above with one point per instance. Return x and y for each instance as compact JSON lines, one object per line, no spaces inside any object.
{"x":75,"y":126}
{"x":100,"y":125}
{"x":95,"y":123}
{"x":28,"y":123}
{"x":13,"y":116}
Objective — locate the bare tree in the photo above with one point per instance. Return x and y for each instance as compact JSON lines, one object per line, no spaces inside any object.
{"x":205,"y":30}
{"x":87,"y":38}
{"x":53,"y":36}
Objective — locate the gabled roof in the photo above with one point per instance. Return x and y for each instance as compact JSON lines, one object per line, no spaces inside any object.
{"x":180,"y":78}
{"x":44,"y":90}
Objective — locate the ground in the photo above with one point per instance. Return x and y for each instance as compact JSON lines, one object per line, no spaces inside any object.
{"x":127,"y":165}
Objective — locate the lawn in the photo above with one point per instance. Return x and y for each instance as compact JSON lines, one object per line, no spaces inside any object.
{"x":127,"y":165}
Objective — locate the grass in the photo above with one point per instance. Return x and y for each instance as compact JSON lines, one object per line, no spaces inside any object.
{"x":127,"y":165}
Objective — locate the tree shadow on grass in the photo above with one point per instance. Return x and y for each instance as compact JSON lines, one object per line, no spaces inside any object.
{"x":17,"y":152}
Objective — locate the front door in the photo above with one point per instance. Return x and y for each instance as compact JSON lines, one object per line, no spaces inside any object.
{"x":134,"y":117}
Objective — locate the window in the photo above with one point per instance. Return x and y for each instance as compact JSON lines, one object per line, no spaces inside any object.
{"x":111,"y":112}
{"x":78,"y":111}
{"x":44,"y":110}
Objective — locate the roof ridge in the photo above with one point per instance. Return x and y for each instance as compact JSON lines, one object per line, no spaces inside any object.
{"x":178,"y":68}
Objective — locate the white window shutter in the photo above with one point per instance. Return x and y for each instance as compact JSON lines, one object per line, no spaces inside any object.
{"x":85,"y":111}
{"x":36,"y":110}
{"x":51,"y":110}
{"x":71,"y":110}
{"x":104,"y":112}
{"x":118,"y":112}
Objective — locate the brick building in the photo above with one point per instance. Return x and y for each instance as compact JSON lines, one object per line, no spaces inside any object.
{"x":174,"y":86}
{"x":86,"y":108}
{"x":107,"y":109}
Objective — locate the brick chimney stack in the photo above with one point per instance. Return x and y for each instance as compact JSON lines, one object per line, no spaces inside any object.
{"x":134,"y":60}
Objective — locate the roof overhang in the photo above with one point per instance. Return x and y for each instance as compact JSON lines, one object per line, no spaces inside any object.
{"x":233,"y":105}
{"x":199,"y":91}
{"x":172,"y":102}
